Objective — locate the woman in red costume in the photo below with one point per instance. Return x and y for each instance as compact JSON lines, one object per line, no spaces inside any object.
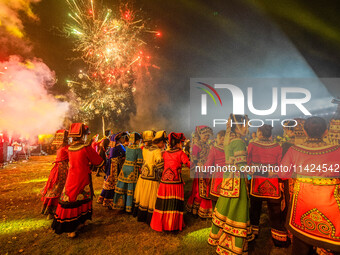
{"x":75,"y":205}
{"x":216,"y":158}
{"x":199,"y":201}
{"x":168,"y":213}
{"x":57,"y":178}
{"x":314,"y":213}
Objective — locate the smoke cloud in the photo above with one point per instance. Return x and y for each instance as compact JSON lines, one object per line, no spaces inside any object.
{"x":11,"y":45}
{"x":148,"y":101}
{"x":26,"y":107}
{"x":9,"y":15}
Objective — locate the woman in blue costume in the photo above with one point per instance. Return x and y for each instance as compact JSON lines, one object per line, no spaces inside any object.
{"x":128,"y":176}
{"x":113,"y":166}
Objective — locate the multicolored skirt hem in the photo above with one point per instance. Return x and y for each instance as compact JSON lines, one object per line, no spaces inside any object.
{"x":280,"y":238}
{"x":145,"y":199}
{"x":228,"y":244}
{"x":198,"y":205}
{"x":168,"y":213}
{"x":123,"y":197}
{"x":106,"y":197}
{"x":231,"y":230}
{"x":201,"y":207}
{"x":67,"y":220}
{"x":142,"y":215}
{"x":226,"y":251}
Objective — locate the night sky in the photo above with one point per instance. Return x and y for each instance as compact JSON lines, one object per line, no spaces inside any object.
{"x":218,"y":38}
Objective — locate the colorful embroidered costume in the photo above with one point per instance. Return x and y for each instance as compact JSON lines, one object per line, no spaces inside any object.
{"x":265,"y":153}
{"x":103,"y":148}
{"x":148,"y":182}
{"x":95,"y":143}
{"x":168,"y":213}
{"x":231,"y":229}
{"x":128,"y":176}
{"x":57,"y":178}
{"x":231,"y":225}
{"x":113,"y":166}
{"x":199,"y":201}
{"x":216,"y":157}
{"x":75,"y":205}
{"x":288,"y":184}
{"x":314,"y":213}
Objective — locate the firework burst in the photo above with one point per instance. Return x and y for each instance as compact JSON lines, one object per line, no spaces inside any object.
{"x":113,"y":45}
{"x":91,"y":100}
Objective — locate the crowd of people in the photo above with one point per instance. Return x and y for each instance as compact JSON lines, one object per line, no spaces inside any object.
{"x":143,"y":177}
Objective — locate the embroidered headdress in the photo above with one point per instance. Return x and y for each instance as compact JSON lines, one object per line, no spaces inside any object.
{"x":60,"y":137}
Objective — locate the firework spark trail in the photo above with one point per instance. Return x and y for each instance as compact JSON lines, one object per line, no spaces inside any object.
{"x":89,"y":99}
{"x":113,"y":46}
{"x":109,"y":42}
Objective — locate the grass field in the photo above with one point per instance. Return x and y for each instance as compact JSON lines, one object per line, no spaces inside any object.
{"x":23,"y":230}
